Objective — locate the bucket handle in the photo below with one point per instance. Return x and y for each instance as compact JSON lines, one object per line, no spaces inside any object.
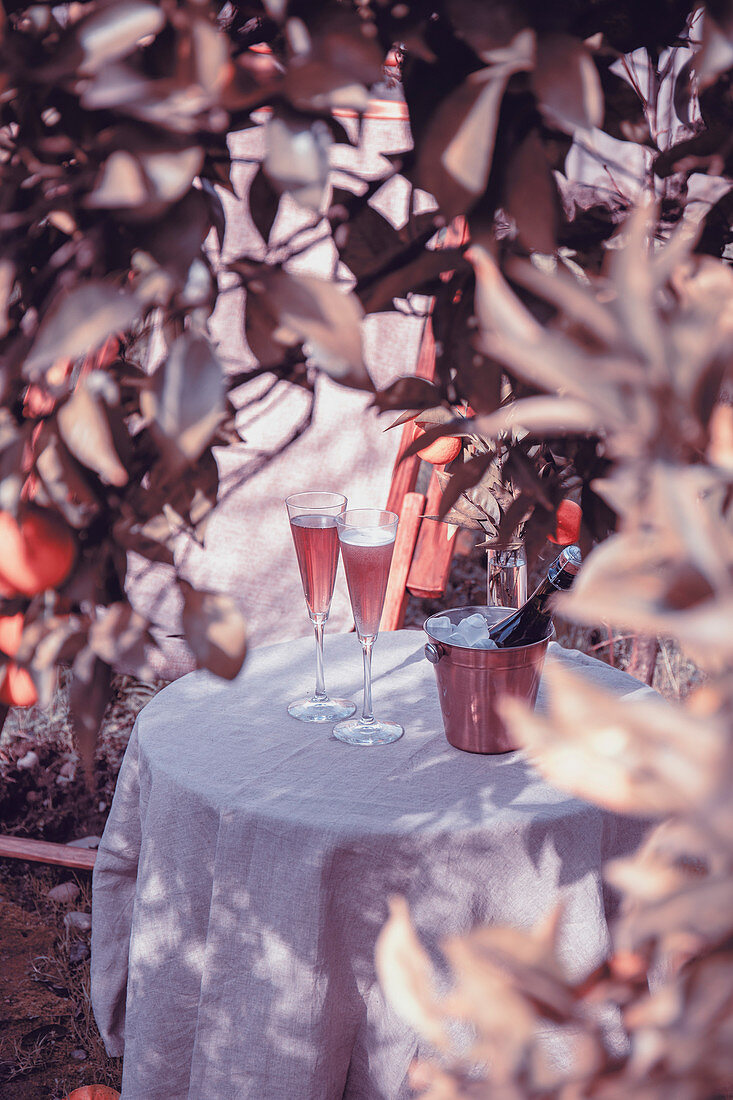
{"x":434,"y":651}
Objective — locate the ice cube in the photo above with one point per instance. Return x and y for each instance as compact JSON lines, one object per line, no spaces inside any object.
{"x":441,"y":625}
{"x":486,"y":643}
{"x":470,"y":631}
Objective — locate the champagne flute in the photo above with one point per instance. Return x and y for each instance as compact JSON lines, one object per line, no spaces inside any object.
{"x":367,"y":540}
{"x":313,"y":527}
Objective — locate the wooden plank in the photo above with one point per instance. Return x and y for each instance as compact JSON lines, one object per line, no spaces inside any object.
{"x":405,"y":474}
{"x":43,"y":851}
{"x":433,"y":554}
{"x":395,"y":601}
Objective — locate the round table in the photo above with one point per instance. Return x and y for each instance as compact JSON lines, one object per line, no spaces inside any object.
{"x":245,"y":868}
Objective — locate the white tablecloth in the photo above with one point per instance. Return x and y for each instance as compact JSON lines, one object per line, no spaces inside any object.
{"x":244,"y":872}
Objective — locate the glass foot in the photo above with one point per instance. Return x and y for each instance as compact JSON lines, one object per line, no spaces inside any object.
{"x":321,"y":710}
{"x":359,"y":732}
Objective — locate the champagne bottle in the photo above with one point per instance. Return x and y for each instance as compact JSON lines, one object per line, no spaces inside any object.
{"x":531,"y":623}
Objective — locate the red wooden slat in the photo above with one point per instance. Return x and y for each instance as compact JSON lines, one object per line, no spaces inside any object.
{"x":395,"y":601}
{"x":404,"y":475}
{"x":433,"y":554}
{"x":43,"y":851}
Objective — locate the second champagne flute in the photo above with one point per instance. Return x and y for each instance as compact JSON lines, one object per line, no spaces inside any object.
{"x":367,"y":540}
{"x":313,"y":526}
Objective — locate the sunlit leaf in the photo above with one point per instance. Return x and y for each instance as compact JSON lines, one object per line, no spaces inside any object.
{"x":215,"y":630}
{"x":406,"y":975}
{"x":78,"y":323}
{"x":114,"y":31}
{"x":540,"y":416}
{"x":85,"y":428}
{"x":185,"y":397}
{"x":645,"y":758}
{"x":296,"y":157}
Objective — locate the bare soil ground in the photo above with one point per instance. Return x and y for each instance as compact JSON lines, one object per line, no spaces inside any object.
{"x":49,"y":1044}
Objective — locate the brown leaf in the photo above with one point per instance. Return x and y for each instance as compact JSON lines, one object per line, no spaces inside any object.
{"x":455,"y":156}
{"x":325,"y":318}
{"x":264,"y":202}
{"x":530,"y":195}
{"x":64,"y":480}
{"x":465,"y":477}
{"x":89,"y":687}
{"x":85,"y":428}
{"x":185,"y":399}
{"x":413,"y":394}
{"x":567,"y":83}
{"x":78,"y":323}
{"x":119,"y":636}
{"x":215,"y":630}
{"x":131,"y":536}
{"x":632,"y":275}
{"x":378,"y":294}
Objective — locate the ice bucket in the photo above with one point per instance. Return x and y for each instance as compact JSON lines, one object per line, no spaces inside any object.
{"x":471,"y":681}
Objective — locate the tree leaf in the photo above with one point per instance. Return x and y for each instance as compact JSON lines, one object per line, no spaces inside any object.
{"x":114,"y":31}
{"x":297,"y":157}
{"x":131,"y":536}
{"x":78,"y":323}
{"x":407,"y":977}
{"x":84,"y":426}
{"x":541,"y":415}
{"x":465,"y":477}
{"x":567,"y":83}
{"x":215,"y":630}
{"x":185,"y":398}
{"x":378,"y":290}
{"x":120,"y":637}
{"x":577,"y":301}
{"x":325,"y":318}
{"x":89,"y":687}
{"x":647,"y":759}
{"x":456,"y":152}
{"x":264,"y":202}
{"x":413,"y":394}
{"x":530,"y":196}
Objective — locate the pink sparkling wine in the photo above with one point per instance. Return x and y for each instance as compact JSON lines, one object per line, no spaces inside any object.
{"x":317,"y":548}
{"x":367,"y":557}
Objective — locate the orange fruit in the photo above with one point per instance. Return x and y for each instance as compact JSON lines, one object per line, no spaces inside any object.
{"x":16,"y":687}
{"x":567,"y":523}
{"x":94,"y":1092}
{"x":37,"y":551}
{"x":11,"y":631}
{"x":441,"y":451}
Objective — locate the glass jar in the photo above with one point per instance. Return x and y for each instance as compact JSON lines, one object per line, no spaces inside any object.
{"x":506,"y":576}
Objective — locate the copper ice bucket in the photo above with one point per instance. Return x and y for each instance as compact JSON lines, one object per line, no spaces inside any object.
{"x":471,"y":682}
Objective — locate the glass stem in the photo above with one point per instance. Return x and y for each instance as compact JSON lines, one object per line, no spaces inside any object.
{"x":366,"y":710}
{"x":318,"y":625}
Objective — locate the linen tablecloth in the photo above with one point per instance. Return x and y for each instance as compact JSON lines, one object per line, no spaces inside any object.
{"x":244,"y":872}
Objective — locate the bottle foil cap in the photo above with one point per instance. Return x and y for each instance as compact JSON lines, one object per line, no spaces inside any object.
{"x":570,"y":559}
